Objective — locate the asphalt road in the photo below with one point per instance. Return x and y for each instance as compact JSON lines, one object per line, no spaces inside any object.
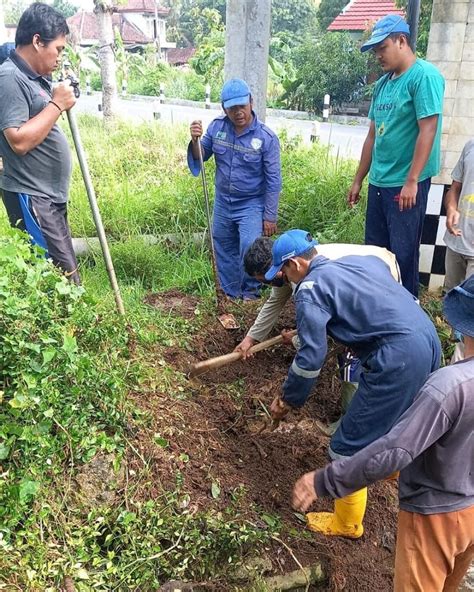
{"x":345,"y":140}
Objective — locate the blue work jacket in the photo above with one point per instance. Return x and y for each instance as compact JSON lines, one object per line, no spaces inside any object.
{"x":356,"y":301}
{"x":247,"y":165}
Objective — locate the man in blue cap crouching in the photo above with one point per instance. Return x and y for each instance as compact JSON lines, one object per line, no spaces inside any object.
{"x":356,"y":301}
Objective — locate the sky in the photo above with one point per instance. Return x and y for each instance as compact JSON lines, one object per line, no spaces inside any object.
{"x":84,"y":4}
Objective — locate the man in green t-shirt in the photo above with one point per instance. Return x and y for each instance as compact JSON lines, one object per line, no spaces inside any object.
{"x":402,"y":149}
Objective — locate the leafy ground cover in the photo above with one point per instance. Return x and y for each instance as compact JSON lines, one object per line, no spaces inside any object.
{"x":184,"y":486}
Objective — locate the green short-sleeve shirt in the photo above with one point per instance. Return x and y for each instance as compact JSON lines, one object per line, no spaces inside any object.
{"x":396,"y":107}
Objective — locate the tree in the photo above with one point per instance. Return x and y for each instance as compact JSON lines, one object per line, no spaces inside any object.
{"x":293,"y":16}
{"x":330,"y":64}
{"x":13,"y":9}
{"x":104,"y":9}
{"x":328,"y":10}
{"x":208,"y":61}
{"x":426,"y":6}
{"x":187,"y":19}
{"x":65,"y":7}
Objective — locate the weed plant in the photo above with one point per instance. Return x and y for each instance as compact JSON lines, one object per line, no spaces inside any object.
{"x":66,"y":365}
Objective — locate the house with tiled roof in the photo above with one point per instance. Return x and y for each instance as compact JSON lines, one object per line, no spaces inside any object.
{"x":140,"y":23}
{"x":359,"y":15}
{"x":180,"y":56}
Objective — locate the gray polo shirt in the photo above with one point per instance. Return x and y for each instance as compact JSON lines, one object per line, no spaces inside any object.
{"x":432,"y":445}
{"x":46,"y":170}
{"x":464,"y":173}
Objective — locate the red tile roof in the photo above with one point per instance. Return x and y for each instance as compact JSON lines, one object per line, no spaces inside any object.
{"x":180,"y":55}
{"x":83,"y":25}
{"x":360,"y":15}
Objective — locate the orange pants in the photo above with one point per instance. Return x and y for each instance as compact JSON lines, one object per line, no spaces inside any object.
{"x":433,"y":551}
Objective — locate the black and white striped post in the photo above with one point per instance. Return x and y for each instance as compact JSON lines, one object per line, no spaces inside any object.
{"x":124,"y":87}
{"x":326,"y":104}
{"x":162,"y":93}
{"x":88,"y":85}
{"x":208,"y":96}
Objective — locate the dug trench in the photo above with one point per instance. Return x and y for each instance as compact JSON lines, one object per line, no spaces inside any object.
{"x":212,"y":435}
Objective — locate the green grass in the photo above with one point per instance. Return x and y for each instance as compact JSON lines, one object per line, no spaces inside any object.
{"x":143,"y":185}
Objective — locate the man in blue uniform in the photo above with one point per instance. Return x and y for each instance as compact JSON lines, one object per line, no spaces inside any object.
{"x":356,"y":301}
{"x":248,"y":184}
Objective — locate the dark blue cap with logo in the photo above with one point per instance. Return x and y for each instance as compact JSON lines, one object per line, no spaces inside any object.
{"x":392,"y":23}
{"x":291,"y":244}
{"x":235,"y":92}
{"x":459,"y":307}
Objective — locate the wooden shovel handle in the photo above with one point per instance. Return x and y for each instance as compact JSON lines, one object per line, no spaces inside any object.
{"x":213,"y":363}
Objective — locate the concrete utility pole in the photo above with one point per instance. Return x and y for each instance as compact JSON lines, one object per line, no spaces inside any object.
{"x":246,"y":47}
{"x":413,"y":18}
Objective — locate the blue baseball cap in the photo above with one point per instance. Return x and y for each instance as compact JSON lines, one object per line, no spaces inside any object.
{"x":235,"y":92}
{"x":291,"y":244}
{"x":392,"y":23}
{"x":459,"y":307}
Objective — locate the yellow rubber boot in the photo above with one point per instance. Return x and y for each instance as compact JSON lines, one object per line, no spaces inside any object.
{"x":346,"y":521}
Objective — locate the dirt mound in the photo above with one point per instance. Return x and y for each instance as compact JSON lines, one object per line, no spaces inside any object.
{"x":213,"y":437}
{"x":174,"y":302}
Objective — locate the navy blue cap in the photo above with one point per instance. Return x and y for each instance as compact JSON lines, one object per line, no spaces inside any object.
{"x":459,"y":307}
{"x":235,"y":92}
{"x":291,"y":244}
{"x":392,"y":23}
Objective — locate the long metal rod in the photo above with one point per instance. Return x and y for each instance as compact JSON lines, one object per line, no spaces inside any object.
{"x":209,"y":222}
{"x":95,"y":210}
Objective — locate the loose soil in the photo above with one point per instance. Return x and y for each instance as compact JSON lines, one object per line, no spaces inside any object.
{"x":213,"y":437}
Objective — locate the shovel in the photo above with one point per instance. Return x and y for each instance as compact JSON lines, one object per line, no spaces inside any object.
{"x":226,"y":319}
{"x":219,"y":361}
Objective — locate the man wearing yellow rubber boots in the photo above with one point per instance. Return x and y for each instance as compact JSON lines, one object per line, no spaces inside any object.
{"x":356,"y":301}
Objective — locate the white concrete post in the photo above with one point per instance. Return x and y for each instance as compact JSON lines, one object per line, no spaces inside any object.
{"x":208,"y":96}
{"x":327,"y":102}
{"x":246,"y":47}
{"x":88,"y":85}
{"x":124,"y":87}
{"x":162,"y":92}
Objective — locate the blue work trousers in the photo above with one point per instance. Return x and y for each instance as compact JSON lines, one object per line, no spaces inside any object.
{"x":392,"y":375}
{"x":237,"y":223}
{"x":399,"y":232}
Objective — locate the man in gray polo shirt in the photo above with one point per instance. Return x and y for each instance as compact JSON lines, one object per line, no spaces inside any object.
{"x":36,"y":155}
